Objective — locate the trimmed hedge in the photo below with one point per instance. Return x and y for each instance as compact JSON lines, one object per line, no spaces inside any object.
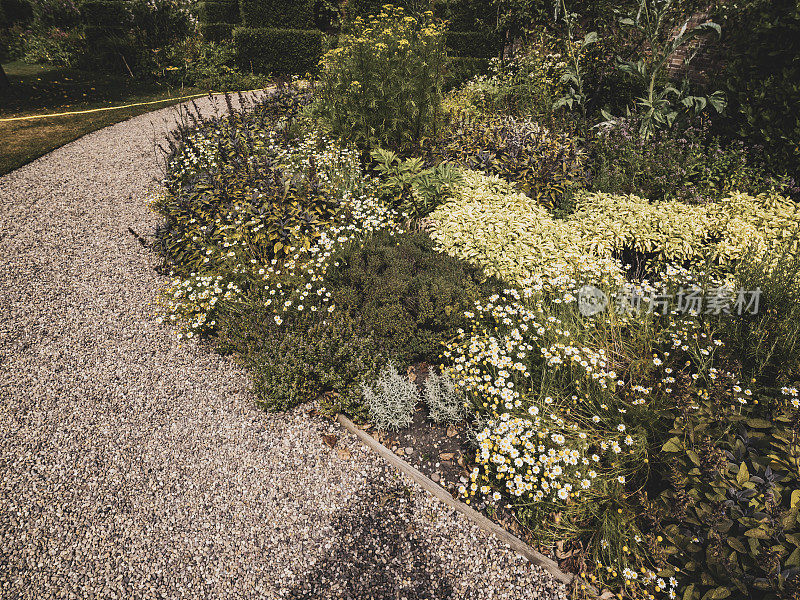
{"x":277,"y":51}
{"x":105,"y":13}
{"x":15,"y":11}
{"x":216,"y":32}
{"x":473,"y":43}
{"x":289,"y":14}
{"x":466,"y":15}
{"x":216,"y":12}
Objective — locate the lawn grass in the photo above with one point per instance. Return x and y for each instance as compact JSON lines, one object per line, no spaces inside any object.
{"x":43,"y":89}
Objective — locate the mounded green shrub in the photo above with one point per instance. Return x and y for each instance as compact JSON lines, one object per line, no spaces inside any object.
{"x":473,"y":43}
{"x":288,"y":14}
{"x":410,"y":298}
{"x":216,"y":32}
{"x":277,"y":51}
{"x":216,"y":11}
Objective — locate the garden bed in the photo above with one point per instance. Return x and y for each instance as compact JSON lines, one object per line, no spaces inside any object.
{"x":612,"y":377}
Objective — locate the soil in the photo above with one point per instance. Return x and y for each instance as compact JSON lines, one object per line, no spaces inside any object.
{"x":443,"y":453}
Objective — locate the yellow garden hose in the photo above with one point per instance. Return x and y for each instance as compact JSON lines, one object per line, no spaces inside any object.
{"x":91,"y":110}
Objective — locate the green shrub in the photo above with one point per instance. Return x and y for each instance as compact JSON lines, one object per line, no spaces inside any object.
{"x":382,"y":85}
{"x":216,"y":32}
{"x":548,"y":167}
{"x":675,"y":164}
{"x":277,"y":51}
{"x":53,"y":46}
{"x":217,"y":11}
{"x":283,"y":14}
{"x":730,"y":516}
{"x":409,"y":297}
{"x":473,"y":43}
{"x":16,"y":12}
{"x":62,"y":14}
{"x":300,"y":361}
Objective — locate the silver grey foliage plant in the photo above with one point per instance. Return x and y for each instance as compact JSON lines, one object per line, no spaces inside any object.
{"x":445,"y":401}
{"x":391,"y":403}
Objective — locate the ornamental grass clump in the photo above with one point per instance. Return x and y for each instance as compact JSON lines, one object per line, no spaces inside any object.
{"x":382,"y":85}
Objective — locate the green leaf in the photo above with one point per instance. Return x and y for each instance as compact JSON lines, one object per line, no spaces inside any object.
{"x":757,"y":533}
{"x":672,"y":445}
{"x":743,"y":476}
{"x":737,"y":545}
{"x":795,"y":498}
{"x":688,"y":593}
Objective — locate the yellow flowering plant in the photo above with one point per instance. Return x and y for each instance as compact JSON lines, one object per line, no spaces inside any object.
{"x":382,"y":85}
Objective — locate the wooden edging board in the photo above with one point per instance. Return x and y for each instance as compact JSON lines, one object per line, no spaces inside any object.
{"x":473,"y":515}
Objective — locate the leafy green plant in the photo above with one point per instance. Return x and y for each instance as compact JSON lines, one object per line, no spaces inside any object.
{"x":761,"y":79}
{"x":663,"y":104}
{"x":303,"y":359}
{"x":410,"y":188}
{"x":768,"y":343}
{"x":730,"y":514}
{"x":547,"y":166}
{"x":685,"y":164}
{"x":382,"y":85}
{"x":573,"y":76}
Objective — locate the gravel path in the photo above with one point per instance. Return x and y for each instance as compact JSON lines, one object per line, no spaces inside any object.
{"x":134,"y":467}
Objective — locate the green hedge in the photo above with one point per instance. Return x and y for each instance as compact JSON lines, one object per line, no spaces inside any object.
{"x":215,"y":11}
{"x":216,"y":32}
{"x":291,"y":14}
{"x":277,"y":51}
{"x":15,"y":11}
{"x":473,"y":43}
{"x":466,"y":15}
{"x":105,"y":13}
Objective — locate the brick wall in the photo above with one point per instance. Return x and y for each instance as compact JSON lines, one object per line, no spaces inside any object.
{"x":703,"y":52}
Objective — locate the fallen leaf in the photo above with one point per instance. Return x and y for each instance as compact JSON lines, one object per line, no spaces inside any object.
{"x":452,"y":431}
{"x":330,"y":440}
{"x":446,"y":455}
{"x":343,"y":453}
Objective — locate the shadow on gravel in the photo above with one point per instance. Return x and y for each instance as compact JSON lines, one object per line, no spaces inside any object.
{"x":376,"y":554}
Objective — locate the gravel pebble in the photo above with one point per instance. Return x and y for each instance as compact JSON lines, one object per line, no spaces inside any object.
{"x":135,"y":467}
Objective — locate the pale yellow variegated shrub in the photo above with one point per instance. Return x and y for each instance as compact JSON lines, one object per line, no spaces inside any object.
{"x":514,"y":238}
